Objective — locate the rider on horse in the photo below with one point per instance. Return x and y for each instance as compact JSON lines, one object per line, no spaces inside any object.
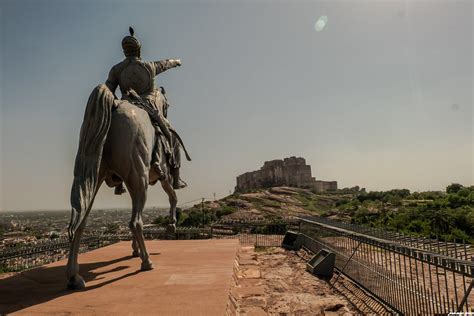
{"x":136,"y":81}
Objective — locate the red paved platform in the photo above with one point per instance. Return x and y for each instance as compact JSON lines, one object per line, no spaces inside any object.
{"x":191,"y":277}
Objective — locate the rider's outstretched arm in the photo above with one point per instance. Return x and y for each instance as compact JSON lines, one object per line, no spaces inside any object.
{"x":165,"y":64}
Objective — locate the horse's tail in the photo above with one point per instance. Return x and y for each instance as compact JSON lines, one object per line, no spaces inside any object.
{"x":95,"y":126}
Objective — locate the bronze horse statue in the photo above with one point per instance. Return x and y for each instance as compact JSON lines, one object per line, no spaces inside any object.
{"x":117,"y":141}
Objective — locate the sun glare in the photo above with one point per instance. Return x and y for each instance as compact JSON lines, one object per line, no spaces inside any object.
{"x":321,"y":23}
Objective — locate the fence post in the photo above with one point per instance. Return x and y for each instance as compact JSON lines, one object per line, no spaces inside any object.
{"x":466,"y":295}
{"x":345,"y":264}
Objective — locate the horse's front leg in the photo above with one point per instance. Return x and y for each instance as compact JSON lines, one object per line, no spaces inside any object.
{"x":173,"y":199}
{"x":137,"y":187}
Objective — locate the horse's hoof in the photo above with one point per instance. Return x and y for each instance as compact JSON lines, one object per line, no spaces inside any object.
{"x":147,"y":265}
{"x":76,"y":283}
{"x":135,"y":254}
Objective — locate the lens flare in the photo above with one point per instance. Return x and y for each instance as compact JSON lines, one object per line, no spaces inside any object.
{"x":321,"y":23}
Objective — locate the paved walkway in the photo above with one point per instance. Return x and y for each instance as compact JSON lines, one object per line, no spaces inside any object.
{"x":191,"y":277}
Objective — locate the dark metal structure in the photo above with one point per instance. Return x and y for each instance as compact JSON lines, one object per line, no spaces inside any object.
{"x":322,"y":264}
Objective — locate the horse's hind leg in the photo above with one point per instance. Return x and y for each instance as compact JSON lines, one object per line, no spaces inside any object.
{"x":173,"y":199}
{"x":138,"y":190}
{"x":136,"y":252}
{"x":135,"y":245}
{"x":75,"y":281}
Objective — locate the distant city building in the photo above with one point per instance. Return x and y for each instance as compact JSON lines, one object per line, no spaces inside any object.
{"x":293,"y":172}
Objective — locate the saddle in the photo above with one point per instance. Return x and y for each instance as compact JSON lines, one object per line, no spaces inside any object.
{"x":136,"y":99}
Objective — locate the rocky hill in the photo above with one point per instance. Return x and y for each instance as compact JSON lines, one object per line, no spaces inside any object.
{"x":272,"y":203}
{"x":446,"y":215}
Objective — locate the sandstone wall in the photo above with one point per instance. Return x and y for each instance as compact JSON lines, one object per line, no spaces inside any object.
{"x":323,"y":186}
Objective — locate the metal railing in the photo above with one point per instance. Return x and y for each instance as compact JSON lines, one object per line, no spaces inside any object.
{"x":23,"y":257}
{"x":160,"y":233}
{"x":258,"y":233}
{"x":459,"y":250}
{"x":410,"y":280}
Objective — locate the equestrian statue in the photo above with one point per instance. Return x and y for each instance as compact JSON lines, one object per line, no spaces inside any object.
{"x":127,"y":141}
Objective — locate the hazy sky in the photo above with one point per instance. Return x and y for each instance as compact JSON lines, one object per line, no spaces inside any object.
{"x":381,"y":96}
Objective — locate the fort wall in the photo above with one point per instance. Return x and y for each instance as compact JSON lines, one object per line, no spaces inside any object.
{"x":292,"y":171}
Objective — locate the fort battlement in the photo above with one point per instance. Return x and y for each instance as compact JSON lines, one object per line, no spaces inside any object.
{"x":292,"y":171}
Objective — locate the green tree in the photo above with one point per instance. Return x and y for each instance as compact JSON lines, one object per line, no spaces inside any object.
{"x":418,"y":226}
{"x":440,"y":222}
{"x":161,"y":220}
{"x":464,"y":192}
{"x":454,"y":188}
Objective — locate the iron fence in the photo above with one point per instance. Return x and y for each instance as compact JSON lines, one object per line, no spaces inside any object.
{"x":412,"y":281}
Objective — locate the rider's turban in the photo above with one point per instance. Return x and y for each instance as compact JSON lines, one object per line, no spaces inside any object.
{"x":131,"y":46}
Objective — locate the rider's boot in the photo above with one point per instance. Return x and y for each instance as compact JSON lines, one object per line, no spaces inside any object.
{"x":155,"y":159}
{"x":177,"y":182}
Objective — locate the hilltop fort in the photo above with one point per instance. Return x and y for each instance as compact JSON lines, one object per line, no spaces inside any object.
{"x":292,"y":172}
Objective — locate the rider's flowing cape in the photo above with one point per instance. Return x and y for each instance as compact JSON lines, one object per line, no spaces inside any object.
{"x":94,"y":129}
